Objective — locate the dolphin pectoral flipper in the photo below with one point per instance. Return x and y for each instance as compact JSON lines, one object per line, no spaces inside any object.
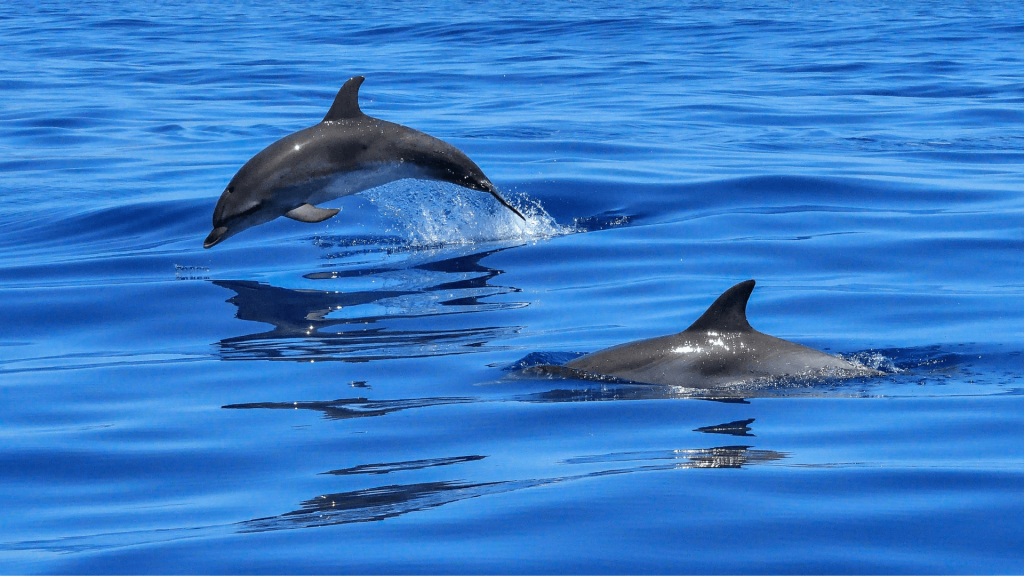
{"x":311,"y":214}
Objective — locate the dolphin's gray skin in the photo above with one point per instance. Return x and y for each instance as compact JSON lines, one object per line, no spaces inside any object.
{"x":719,"y":349}
{"x":346,"y":153}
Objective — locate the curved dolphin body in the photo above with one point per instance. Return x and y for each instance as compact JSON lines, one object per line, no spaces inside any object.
{"x":346,"y":153}
{"x":719,"y":349}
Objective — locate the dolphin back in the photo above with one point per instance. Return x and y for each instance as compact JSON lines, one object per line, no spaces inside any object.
{"x":719,"y":349}
{"x":435,"y":158}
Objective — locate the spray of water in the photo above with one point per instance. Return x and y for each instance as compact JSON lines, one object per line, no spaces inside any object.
{"x":433,"y":214}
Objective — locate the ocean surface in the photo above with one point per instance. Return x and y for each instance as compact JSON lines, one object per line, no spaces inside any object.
{"x":344,"y":396}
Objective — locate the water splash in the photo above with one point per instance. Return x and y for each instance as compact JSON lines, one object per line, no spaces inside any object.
{"x":430,"y":214}
{"x":874,"y":359}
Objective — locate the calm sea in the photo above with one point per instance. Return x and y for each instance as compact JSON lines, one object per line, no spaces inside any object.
{"x":335,"y":397}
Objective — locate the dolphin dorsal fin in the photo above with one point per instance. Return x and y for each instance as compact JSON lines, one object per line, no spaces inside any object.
{"x":346,"y":103}
{"x":728,"y":313}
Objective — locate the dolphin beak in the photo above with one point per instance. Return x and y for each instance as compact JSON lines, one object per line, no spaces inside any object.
{"x":216,"y":236}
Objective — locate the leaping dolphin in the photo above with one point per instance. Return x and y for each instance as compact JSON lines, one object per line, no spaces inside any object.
{"x":719,"y":349}
{"x":346,"y":153}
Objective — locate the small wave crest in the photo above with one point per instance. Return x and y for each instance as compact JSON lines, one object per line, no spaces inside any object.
{"x":875,"y":360}
{"x":430,"y":214}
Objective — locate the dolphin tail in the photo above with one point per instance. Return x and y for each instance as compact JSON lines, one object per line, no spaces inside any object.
{"x":494,"y":192}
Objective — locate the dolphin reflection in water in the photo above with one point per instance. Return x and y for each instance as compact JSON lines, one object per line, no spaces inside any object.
{"x":718,"y":350}
{"x":393,"y":500}
{"x":346,"y":153}
{"x":366,"y":323}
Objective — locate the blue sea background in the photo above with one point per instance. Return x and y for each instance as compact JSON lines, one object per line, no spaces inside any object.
{"x":334,"y":398}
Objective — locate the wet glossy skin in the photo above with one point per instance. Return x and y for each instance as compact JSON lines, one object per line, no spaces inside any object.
{"x":719,"y":349}
{"x":345,"y":154}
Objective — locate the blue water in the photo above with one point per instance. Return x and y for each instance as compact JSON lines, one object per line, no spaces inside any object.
{"x":334,"y":398}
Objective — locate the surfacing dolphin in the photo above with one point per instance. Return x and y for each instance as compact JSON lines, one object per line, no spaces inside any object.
{"x":346,"y":153}
{"x":719,"y":349}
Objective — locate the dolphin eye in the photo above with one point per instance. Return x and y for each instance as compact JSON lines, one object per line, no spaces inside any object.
{"x":230,"y":189}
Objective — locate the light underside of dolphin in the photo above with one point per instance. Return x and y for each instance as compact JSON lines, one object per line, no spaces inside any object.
{"x":719,"y":349}
{"x":346,"y":153}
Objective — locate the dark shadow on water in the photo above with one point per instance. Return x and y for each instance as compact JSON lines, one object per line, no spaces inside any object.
{"x":373,"y":504}
{"x":387,"y":468}
{"x":294,"y":312}
{"x":720,"y":457}
{"x":390,"y":501}
{"x":383,"y":502}
{"x":347,"y":408}
{"x":394,"y":500}
{"x":363,"y":319}
{"x":737,"y":428}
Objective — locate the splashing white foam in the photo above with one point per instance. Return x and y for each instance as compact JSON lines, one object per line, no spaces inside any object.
{"x":873,"y":359}
{"x":435,"y":214}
